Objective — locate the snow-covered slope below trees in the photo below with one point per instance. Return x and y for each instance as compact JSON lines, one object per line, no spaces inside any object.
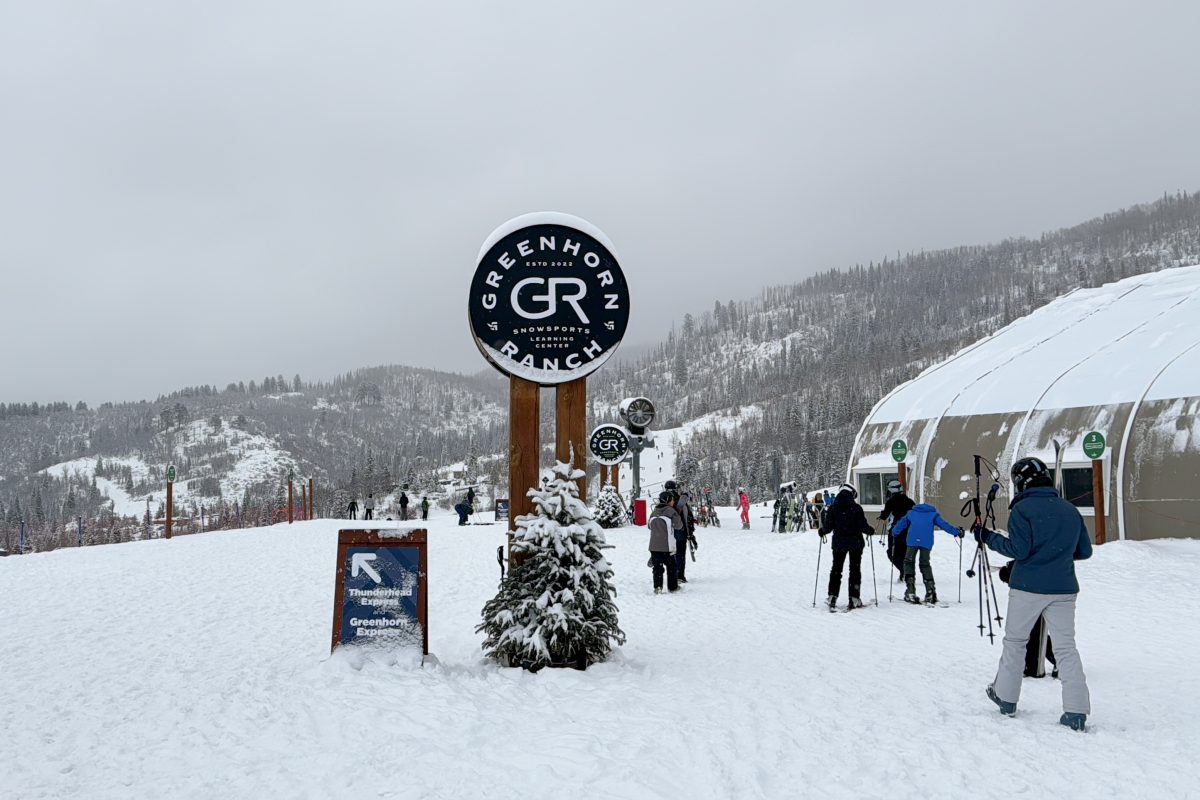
{"x":200,"y":667}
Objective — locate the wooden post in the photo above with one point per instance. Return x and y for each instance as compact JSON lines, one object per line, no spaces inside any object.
{"x":902,"y":468}
{"x":303,"y":501}
{"x":1098,"y":498}
{"x":614,"y":473}
{"x":291,"y":504}
{"x":570,"y":427}
{"x":170,"y":508}
{"x":311,"y":500}
{"x":524,"y":416}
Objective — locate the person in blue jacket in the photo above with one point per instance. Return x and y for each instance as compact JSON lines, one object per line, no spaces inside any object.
{"x":918,"y":524}
{"x":1046,"y":536}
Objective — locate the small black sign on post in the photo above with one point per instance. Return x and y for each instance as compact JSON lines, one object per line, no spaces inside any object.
{"x":609,"y":444}
{"x":381,"y":593}
{"x":501,"y":509}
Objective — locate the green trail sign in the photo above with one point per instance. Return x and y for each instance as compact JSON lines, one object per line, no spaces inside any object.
{"x":291,"y":474}
{"x":171,"y":473}
{"x":1093,"y":444}
{"x":899,"y":450}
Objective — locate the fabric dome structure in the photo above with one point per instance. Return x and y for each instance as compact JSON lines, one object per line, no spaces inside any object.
{"x":1122,"y":360}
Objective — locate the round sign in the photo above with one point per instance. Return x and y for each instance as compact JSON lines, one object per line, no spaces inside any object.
{"x":171,"y":473}
{"x":609,"y":444}
{"x":549,"y":302}
{"x":899,"y":450}
{"x":1093,"y":444}
{"x":638,"y":411}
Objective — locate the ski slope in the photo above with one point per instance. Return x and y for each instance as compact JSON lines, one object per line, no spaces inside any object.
{"x":199,"y":668}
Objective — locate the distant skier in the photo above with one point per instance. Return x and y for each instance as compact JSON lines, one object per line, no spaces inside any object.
{"x":463,"y":510}
{"x":1042,"y":583}
{"x":917,"y":528}
{"x":370,"y":507}
{"x":829,"y":498}
{"x":898,"y":504}
{"x":744,"y":505}
{"x":471,"y":496}
{"x":352,"y":509}
{"x":403,"y":505}
{"x":662,"y":542}
{"x":816,"y":511}
{"x":424,"y":508}
{"x":846,"y":520}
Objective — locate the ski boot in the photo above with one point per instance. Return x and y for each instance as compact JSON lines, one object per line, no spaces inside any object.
{"x":1074,"y":721}
{"x":831,"y":601}
{"x":931,"y":595}
{"x":1007,"y":709}
{"x":856,"y":602}
{"x":910,"y":592}
{"x":658,"y":590}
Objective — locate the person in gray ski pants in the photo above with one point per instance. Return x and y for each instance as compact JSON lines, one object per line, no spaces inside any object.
{"x":1046,"y":536}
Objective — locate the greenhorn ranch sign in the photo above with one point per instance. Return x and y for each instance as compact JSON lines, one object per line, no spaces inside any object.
{"x":1093,"y":445}
{"x":608,"y":444}
{"x":549,"y":302}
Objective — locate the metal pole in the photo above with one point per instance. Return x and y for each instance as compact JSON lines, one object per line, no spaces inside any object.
{"x":22,"y":537}
{"x":817,"y":577}
{"x":79,"y":522}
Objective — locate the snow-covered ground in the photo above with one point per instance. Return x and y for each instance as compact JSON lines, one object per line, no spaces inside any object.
{"x":658,"y":462}
{"x":199,"y":667}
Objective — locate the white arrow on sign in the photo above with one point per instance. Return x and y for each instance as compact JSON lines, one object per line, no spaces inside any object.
{"x":361,"y":562}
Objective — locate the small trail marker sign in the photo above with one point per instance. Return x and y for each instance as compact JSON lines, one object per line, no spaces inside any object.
{"x":380,"y":593}
{"x":1093,"y":445}
{"x":899,"y":450}
{"x":171,"y":473}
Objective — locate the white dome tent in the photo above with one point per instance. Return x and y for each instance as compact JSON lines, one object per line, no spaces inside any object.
{"x":1122,"y":359}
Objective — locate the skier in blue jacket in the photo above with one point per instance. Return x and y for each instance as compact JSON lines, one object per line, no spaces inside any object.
{"x":919,"y":524}
{"x":1046,"y":536}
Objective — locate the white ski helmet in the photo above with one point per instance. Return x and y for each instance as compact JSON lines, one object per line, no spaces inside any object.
{"x":894,"y":487}
{"x":845,"y":487}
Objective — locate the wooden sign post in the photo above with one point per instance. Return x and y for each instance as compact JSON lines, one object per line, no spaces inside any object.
{"x":570,"y":427}
{"x":170,"y":501}
{"x":1093,"y":447}
{"x":311,"y":500}
{"x":899,"y":454}
{"x":291,"y":501}
{"x":524,"y":418}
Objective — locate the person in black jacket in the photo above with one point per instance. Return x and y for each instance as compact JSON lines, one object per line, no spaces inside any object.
{"x":898,"y":504}
{"x":846,"y":520}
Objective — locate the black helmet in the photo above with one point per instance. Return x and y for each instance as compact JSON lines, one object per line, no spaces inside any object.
{"x":665,"y":497}
{"x":670,"y":486}
{"x":1026,"y":472}
{"x":894,"y":487}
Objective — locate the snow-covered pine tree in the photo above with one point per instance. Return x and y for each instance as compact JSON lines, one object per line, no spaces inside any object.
{"x":609,"y":512}
{"x":555,"y":608}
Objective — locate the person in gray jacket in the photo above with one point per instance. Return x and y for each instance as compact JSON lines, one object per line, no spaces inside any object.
{"x":1046,"y":536}
{"x":683,"y":532}
{"x":662,"y":542}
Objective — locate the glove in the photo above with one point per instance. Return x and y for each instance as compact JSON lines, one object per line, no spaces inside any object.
{"x":980,"y":533}
{"x":961,"y":532}
{"x":823,"y":540}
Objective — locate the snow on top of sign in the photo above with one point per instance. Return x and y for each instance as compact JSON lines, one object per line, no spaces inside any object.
{"x":546,"y":218}
{"x":398,"y":533}
{"x":1091,"y":347}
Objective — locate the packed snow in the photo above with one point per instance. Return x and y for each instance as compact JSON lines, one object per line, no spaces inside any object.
{"x":200,"y":667}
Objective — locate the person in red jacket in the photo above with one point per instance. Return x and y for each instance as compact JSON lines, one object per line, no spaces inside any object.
{"x":744,"y":504}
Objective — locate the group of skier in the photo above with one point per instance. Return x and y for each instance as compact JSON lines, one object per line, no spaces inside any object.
{"x":369,"y":507}
{"x":672,"y":530}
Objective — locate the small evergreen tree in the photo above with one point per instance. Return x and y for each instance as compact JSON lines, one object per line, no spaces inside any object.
{"x":555,"y":608}
{"x":609,"y":512}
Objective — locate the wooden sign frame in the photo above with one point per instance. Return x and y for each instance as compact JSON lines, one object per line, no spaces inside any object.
{"x":357,"y":537}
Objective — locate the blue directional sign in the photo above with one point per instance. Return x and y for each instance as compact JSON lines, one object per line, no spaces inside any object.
{"x":381,"y":589}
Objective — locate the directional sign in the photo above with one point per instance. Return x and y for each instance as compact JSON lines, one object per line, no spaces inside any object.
{"x":380,"y":594}
{"x":291,"y":474}
{"x":899,"y":450}
{"x":501,"y":509}
{"x":171,"y":473}
{"x":1093,"y":445}
{"x":608,"y":444}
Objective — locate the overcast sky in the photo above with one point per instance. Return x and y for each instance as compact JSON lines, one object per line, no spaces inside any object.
{"x":201,"y":192}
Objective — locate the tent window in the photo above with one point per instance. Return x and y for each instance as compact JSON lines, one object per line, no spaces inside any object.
{"x":1077,"y":487}
{"x":872,"y":487}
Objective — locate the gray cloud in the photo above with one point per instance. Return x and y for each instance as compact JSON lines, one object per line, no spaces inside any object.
{"x":204,"y":192}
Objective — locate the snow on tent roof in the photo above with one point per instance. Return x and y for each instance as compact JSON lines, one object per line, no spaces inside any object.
{"x":1090,"y":347}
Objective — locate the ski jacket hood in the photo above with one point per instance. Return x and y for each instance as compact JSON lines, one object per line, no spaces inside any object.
{"x":1046,"y":536}
{"x":919,"y":523}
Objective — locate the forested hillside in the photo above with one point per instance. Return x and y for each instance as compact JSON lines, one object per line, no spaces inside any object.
{"x":816,"y":355}
{"x":813,"y":357}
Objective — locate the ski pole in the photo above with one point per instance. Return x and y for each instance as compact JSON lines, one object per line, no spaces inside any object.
{"x":960,"y":538}
{"x":817,"y":577}
{"x":874,"y":585}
